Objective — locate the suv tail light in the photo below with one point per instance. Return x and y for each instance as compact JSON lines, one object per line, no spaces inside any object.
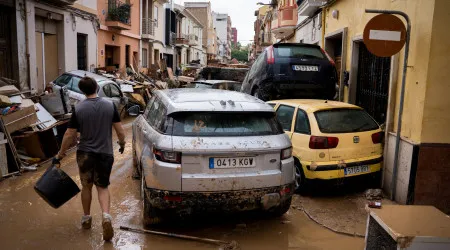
{"x":329,"y":57}
{"x":167,"y":156}
{"x":270,"y":55}
{"x":322,"y":142}
{"x":286,"y":153}
{"x":377,"y":137}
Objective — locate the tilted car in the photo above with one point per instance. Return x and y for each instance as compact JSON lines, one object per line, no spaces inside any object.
{"x":331,"y":140}
{"x":292,"y":70}
{"x":213,"y":150}
{"x":107,"y":88}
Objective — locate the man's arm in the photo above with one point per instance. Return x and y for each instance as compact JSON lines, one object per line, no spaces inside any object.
{"x":120,"y":132}
{"x":67,"y":141}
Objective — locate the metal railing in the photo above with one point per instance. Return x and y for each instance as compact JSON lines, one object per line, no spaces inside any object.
{"x":148,"y":26}
{"x":182,"y":39}
{"x":119,"y":11}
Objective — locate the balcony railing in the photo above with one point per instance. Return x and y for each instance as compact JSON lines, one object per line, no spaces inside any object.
{"x":61,"y":2}
{"x":193,"y":40}
{"x":148,"y":26}
{"x":182,"y":39}
{"x":119,"y":11}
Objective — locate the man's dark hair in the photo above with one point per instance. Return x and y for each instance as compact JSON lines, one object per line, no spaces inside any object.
{"x":88,"y":85}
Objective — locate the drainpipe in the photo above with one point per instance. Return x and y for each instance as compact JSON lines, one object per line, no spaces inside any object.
{"x":324,"y":11}
{"x":27,"y":49}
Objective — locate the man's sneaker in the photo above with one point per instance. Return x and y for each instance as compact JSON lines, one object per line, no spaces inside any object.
{"x":108,"y":231}
{"x":86,"y":221}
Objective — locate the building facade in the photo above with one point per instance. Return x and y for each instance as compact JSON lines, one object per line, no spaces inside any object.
{"x":202,"y":11}
{"x":40,"y":40}
{"x":234,"y":37}
{"x":119,"y":34}
{"x":424,"y":167}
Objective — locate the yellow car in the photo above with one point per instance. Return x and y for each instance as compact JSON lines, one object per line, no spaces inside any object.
{"x":330,"y":139}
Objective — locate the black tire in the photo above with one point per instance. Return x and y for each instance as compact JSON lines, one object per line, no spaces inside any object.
{"x":282,"y":208}
{"x":301,"y":185}
{"x":257,"y":93}
{"x":150,"y":216}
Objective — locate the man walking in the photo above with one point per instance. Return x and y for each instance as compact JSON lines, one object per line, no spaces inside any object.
{"x":94,"y":118}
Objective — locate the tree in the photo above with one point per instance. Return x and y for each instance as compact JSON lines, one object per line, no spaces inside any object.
{"x":240,"y":55}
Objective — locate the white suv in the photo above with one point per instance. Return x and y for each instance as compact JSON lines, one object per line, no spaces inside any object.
{"x":205,"y":149}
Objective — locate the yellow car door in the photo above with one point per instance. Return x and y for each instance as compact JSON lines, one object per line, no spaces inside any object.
{"x":285,"y":115}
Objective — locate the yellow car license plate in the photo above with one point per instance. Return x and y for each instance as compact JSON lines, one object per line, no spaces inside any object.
{"x":356,"y":170}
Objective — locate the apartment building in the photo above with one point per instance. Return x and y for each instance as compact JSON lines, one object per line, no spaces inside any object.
{"x":202,"y":11}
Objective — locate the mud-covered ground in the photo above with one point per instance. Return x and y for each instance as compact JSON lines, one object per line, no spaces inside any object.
{"x":28,"y":222}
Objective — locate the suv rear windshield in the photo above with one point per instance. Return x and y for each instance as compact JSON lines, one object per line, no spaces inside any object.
{"x":298,"y":52}
{"x":225,"y":124}
{"x":344,"y":121}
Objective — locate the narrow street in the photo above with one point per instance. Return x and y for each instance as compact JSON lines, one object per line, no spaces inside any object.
{"x":27,"y":222}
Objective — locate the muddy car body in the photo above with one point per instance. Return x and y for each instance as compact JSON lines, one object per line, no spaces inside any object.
{"x":205,"y":149}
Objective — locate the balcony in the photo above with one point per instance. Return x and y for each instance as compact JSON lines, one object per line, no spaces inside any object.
{"x":193,"y":40}
{"x":172,"y":38}
{"x":119,"y":14}
{"x":309,"y":7}
{"x":148,"y":28}
{"x":284,"y":21}
{"x":60,"y":2}
{"x":182,"y":39}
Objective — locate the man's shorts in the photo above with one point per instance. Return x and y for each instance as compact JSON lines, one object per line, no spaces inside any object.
{"x":94,"y":168}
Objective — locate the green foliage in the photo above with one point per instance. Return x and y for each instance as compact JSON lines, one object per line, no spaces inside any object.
{"x":240,"y":55}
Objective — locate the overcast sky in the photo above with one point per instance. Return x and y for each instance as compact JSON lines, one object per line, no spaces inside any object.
{"x":242,"y":13}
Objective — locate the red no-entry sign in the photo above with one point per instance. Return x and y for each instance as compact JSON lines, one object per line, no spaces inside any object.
{"x":384,"y":35}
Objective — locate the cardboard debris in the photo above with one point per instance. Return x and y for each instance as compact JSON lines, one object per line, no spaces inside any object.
{"x":21,"y":118}
{"x":186,"y":79}
{"x":9,"y":90}
{"x":126,"y":88}
{"x":161,"y":85}
{"x":138,"y":98}
{"x":5,"y":101}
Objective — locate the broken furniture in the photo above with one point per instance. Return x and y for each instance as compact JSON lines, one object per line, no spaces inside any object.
{"x":407,"y":227}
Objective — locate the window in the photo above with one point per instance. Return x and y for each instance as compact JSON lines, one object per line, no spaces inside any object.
{"x":111,"y":90}
{"x":157,"y":115}
{"x":149,"y":106}
{"x":299,"y":52}
{"x":225,"y":124}
{"x":285,"y":115}
{"x":345,"y":121}
{"x":73,"y":84}
{"x":144,"y":58}
{"x":302,"y":123}
{"x":63,"y":80}
{"x":155,"y":15}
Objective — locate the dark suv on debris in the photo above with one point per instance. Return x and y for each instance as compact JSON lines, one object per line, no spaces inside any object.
{"x":292,"y":70}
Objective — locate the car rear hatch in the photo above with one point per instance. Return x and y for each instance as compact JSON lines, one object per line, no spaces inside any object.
{"x":228,"y":151}
{"x":302,"y":65}
{"x":351,"y":134}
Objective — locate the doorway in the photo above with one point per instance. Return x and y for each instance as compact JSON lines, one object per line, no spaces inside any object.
{"x":127,"y":55}
{"x":156,"y":57}
{"x":82,"y":51}
{"x":336,"y":48}
{"x":136,"y":60}
{"x":112,"y":55}
{"x":5,"y":43}
{"x":372,"y":83}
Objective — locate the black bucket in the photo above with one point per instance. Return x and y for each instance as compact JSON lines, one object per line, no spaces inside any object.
{"x":56,"y":187}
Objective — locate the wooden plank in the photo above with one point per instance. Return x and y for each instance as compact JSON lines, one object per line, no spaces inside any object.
{"x":3,"y":158}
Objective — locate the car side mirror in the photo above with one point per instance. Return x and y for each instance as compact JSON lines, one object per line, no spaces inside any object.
{"x":134,"y":111}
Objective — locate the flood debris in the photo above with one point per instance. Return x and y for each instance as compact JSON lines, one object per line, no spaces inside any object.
{"x":225,"y":245}
{"x":374,"y":194}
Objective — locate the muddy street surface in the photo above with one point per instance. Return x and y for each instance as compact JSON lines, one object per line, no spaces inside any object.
{"x":28,"y":222}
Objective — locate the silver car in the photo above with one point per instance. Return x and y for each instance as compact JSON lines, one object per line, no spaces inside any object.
{"x":107,"y":88}
{"x":214,"y":150}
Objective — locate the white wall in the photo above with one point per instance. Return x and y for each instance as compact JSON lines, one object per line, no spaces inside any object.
{"x":67,"y":41}
{"x":311,"y":32}
{"x":88,"y":3}
{"x":159,"y":30}
{"x":221,"y":26}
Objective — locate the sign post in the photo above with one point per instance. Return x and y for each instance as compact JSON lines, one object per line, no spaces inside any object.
{"x":384,"y":36}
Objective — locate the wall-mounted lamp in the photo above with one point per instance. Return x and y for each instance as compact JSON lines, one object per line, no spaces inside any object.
{"x":335,"y":14}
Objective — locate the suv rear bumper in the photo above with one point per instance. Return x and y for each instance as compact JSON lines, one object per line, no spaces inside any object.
{"x":297,"y":89}
{"x":243,"y":200}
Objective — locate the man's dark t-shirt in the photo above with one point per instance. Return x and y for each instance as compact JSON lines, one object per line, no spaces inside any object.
{"x":94,"y":118}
